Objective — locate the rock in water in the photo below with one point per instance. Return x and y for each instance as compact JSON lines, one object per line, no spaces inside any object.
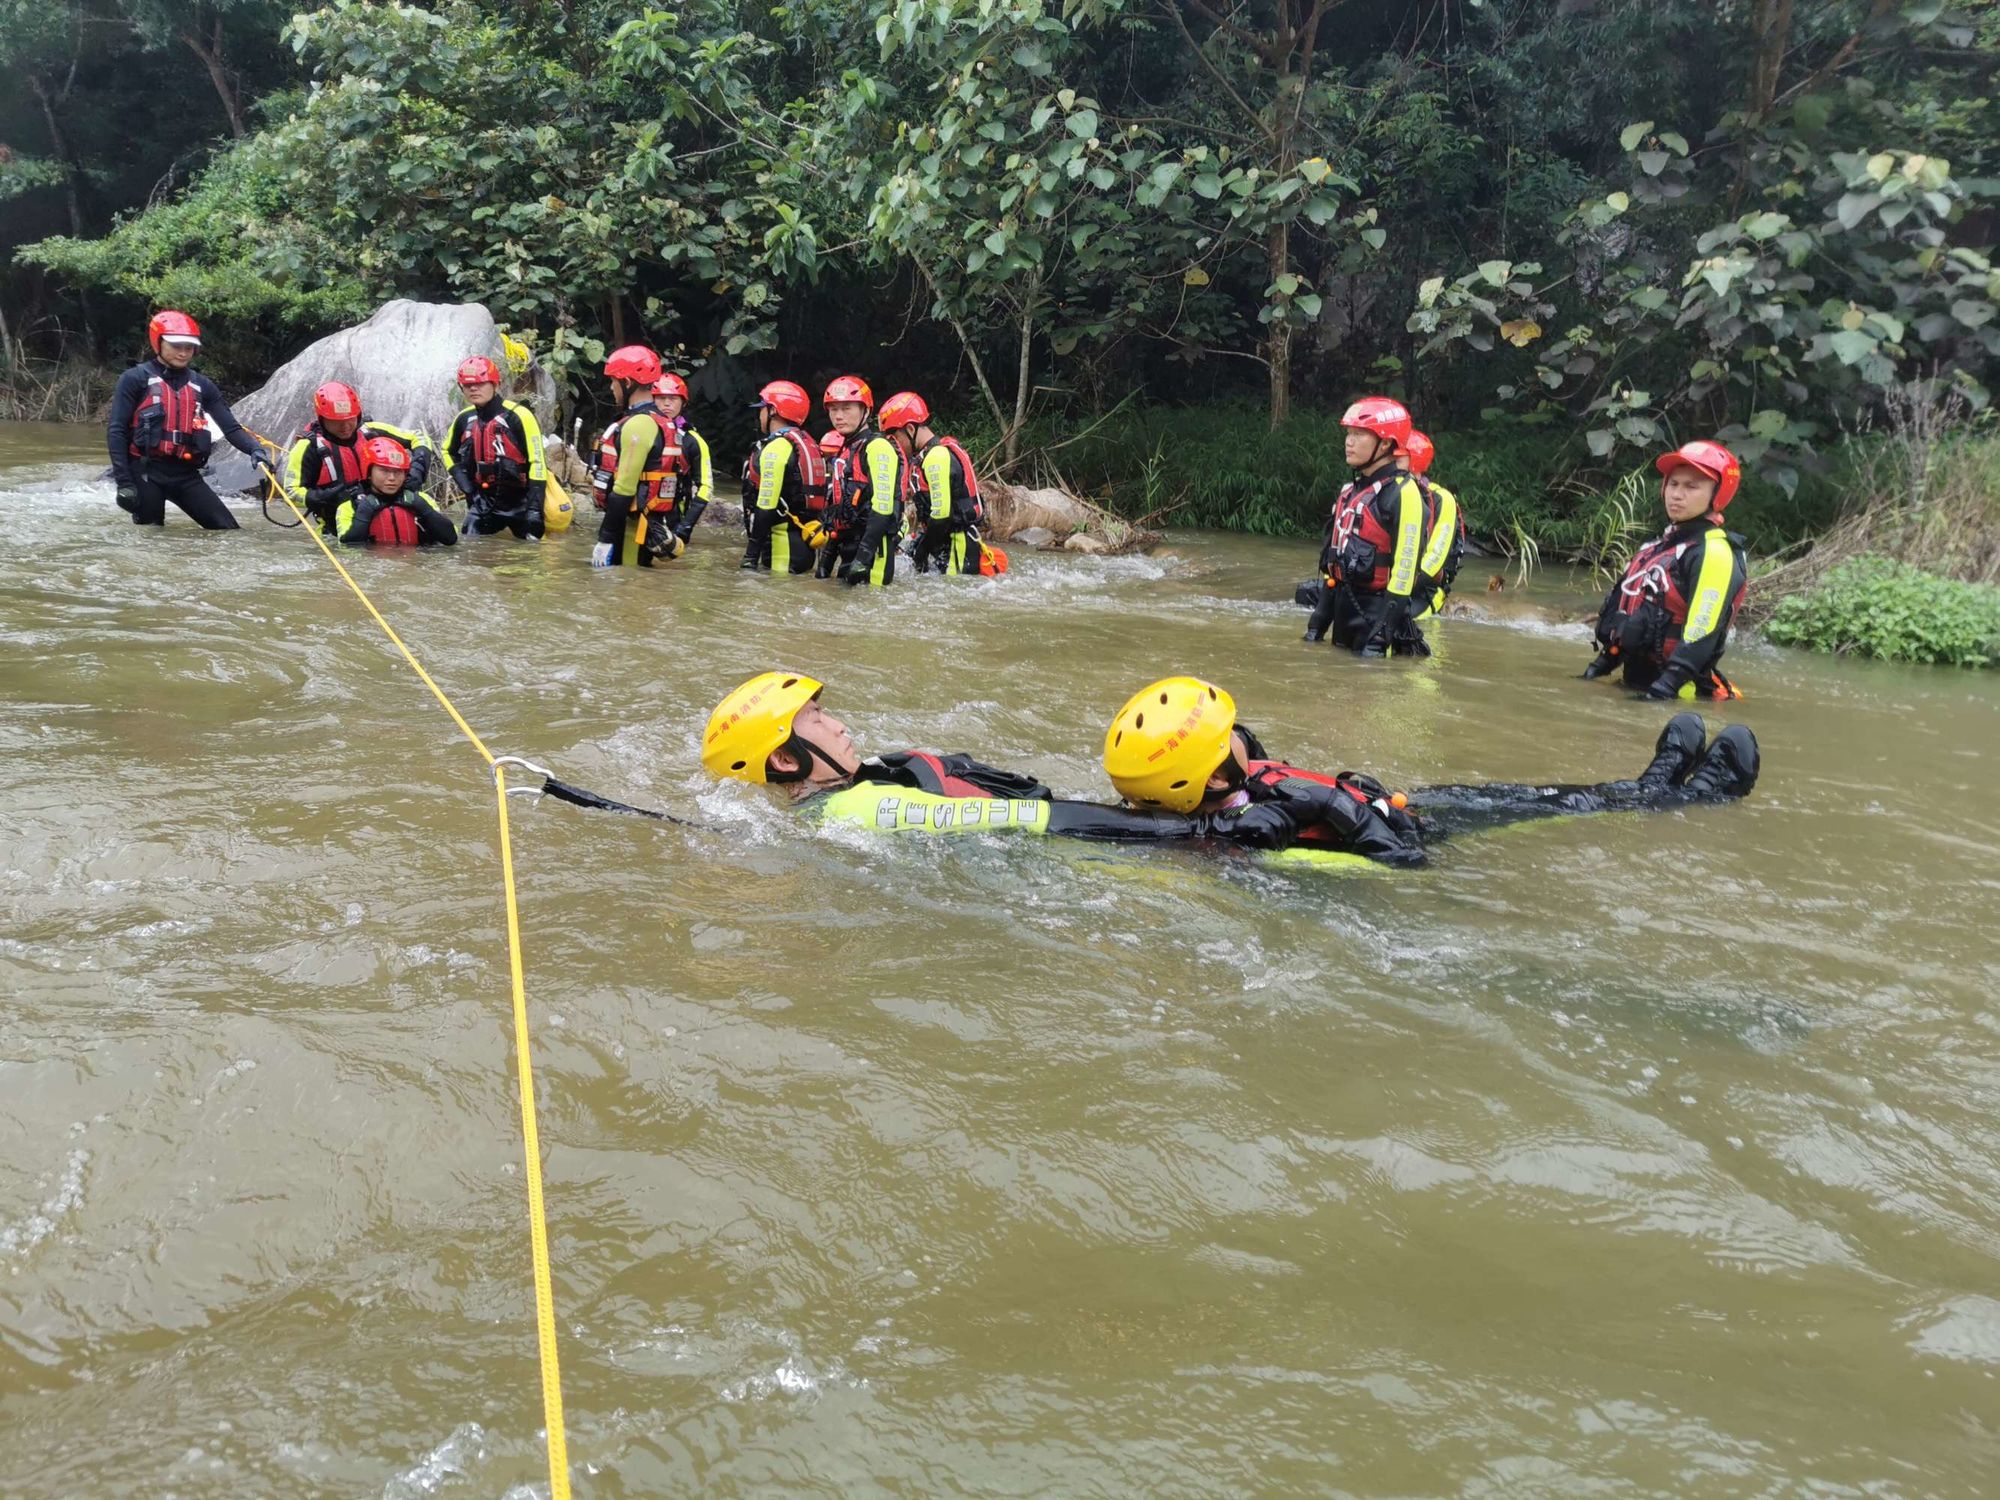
{"x":404,"y":361}
{"x":1013,"y":511}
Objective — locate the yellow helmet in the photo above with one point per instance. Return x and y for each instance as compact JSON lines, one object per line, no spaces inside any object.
{"x":1167,"y":741}
{"x":753,"y":721}
{"x":558,"y":510}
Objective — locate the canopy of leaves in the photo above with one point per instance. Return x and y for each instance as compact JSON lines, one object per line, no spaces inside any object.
{"x":1623,"y":223}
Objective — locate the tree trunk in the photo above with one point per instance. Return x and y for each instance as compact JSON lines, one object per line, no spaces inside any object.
{"x":1012,"y":445}
{"x":73,"y":179}
{"x":210,"y":54}
{"x":1279,"y":344}
{"x":1773,"y":23}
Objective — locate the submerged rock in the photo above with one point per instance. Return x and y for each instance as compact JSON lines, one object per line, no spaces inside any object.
{"x":404,"y":361}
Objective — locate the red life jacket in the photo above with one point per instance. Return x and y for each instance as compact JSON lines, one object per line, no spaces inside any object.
{"x":1363,"y":789}
{"x":496,"y":452}
{"x":1363,"y":546}
{"x":1650,"y":580}
{"x":606,"y":465}
{"x":962,"y":776}
{"x":339,"y":461}
{"x":168,"y":422}
{"x":394,"y":526}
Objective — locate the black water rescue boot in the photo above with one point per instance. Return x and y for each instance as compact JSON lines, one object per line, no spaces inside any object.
{"x":1730,"y":767}
{"x":1675,"y":753}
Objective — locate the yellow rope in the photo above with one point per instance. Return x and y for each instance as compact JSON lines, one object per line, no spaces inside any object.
{"x":531,"y":1141}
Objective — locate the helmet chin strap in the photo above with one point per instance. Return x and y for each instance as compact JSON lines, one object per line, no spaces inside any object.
{"x":794,"y":745}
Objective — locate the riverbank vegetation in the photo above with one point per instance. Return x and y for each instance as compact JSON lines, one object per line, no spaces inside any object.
{"x":1151,"y":245}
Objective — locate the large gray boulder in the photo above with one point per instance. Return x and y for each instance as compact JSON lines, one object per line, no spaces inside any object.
{"x":404,"y":361}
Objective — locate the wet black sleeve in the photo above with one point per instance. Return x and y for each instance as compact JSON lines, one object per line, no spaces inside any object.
{"x":1258,"y":826}
{"x":366,"y":509}
{"x":457,"y":456}
{"x":225,"y":419}
{"x":872,"y":535}
{"x":1601,"y":630}
{"x":1109,"y":824}
{"x":436,"y":526}
{"x":125,"y":400}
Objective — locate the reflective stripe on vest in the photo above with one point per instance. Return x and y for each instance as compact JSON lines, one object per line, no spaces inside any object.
{"x":972,"y":508}
{"x":1711,"y":588}
{"x":1444,"y":532}
{"x":886,"y":809}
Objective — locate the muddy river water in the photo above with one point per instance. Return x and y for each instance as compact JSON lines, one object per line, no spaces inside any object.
{"x":1640,"y":1154}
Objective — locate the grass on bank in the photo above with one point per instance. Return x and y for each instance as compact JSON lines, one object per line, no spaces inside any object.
{"x":70,"y":391}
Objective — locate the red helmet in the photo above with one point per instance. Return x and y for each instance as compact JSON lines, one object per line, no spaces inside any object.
{"x":177,"y":326}
{"x":1712,"y":459}
{"x":634,"y":362}
{"x":850,"y":388}
{"x":670,"y":384}
{"x":1382,"y":415}
{"x":787,"y":398}
{"x":904,"y":409}
{"x":478,"y":370}
{"x":1420,"y":450}
{"x":386,"y":453}
{"x":336,"y":401}
{"x":831,"y":443}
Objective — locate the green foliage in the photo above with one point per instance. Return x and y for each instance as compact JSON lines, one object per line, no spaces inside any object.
{"x":1874,"y":606}
{"x":1614,"y":224}
{"x":1225,"y":466}
{"x":228,"y":248}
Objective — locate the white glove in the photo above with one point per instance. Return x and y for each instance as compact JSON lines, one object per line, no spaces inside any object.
{"x":600,"y":555}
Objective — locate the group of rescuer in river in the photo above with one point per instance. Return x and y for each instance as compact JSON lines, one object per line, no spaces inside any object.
{"x":835,"y":506}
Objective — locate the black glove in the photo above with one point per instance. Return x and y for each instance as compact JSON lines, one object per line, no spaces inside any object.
{"x":1313,"y":634}
{"x":1663,"y":689}
{"x":462,"y":482}
{"x":263,"y":461}
{"x":1600,"y":664}
{"x":1261,"y":825}
{"x":327,"y":499}
{"x":128,"y":498}
{"x":536,"y":524}
{"x":1308,"y":594}
{"x":858,"y":573}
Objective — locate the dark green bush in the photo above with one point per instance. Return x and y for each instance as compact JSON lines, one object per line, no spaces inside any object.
{"x":1873,"y":606}
{"x":1223,"y":466}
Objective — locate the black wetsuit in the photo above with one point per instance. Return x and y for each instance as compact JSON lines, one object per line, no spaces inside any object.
{"x":159,"y":478}
{"x":1280,"y":806}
